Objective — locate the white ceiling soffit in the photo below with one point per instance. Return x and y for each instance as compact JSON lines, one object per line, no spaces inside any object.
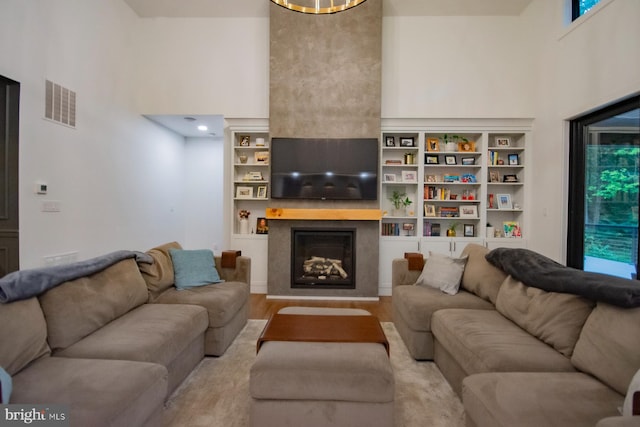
{"x":260,"y":8}
{"x":185,"y":126}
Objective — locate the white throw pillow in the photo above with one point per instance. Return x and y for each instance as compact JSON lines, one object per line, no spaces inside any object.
{"x":628,"y":401}
{"x":442,"y":272}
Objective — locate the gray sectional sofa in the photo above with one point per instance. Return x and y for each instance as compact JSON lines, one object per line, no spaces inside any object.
{"x":519,"y":355}
{"x":112,"y":345}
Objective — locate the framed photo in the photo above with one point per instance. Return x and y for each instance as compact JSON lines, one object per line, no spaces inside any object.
{"x":469,"y":230}
{"x":504,"y":201}
{"x":244,"y":140}
{"x":468,"y":146}
{"x":511,"y":229}
{"x":261,"y":157}
{"x":431,"y":178}
{"x":406,"y":141}
{"x":469,"y":211}
{"x":262,"y":192}
{"x":262,"y":226}
{"x":429,"y":210}
{"x":494,"y":176}
{"x":431,"y":160}
{"x":502,"y":141}
{"x":433,"y":144}
{"x":389,"y":177}
{"x":468,"y":161}
{"x":408,"y":226}
{"x":450,"y":160}
{"x":409,"y":176}
{"x":389,"y":141}
{"x":244,"y":192}
{"x":510,"y":178}
{"x":513,"y":159}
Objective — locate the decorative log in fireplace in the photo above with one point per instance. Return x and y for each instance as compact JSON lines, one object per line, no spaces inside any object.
{"x":323,"y":258}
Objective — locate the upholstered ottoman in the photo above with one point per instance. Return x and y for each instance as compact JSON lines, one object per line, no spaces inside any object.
{"x":315,"y":384}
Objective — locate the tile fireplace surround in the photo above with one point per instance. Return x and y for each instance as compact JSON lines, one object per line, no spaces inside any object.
{"x":365,"y":222}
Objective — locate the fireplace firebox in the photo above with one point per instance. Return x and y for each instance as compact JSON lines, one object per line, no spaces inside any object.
{"x":323,"y":258}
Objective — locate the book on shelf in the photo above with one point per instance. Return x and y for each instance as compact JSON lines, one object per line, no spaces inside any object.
{"x":392,"y":162}
{"x":390,"y":229}
{"x":435,"y":230}
{"x":449,"y":212}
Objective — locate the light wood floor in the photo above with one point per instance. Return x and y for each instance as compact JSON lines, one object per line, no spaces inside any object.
{"x":263,"y":308}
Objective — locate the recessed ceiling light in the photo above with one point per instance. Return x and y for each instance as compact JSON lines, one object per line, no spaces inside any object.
{"x":203,"y":128}
{"x":190,"y":119}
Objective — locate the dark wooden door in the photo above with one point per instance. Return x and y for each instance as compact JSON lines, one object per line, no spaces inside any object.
{"x":9,"y":119}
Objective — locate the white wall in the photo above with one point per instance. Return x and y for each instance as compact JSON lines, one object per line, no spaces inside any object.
{"x":118,"y":177}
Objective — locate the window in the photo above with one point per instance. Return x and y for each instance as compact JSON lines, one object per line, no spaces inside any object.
{"x":580,"y":7}
{"x":603,"y":190}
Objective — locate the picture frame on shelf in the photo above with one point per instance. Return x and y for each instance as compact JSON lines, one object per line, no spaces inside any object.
{"x":450,"y":159}
{"x":389,"y":141}
{"x":408,"y":227}
{"x":469,"y":211}
{"x":429,"y":210}
{"x":261,"y":157}
{"x":409,"y":176}
{"x":262,"y":226}
{"x":407,"y":141}
{"x":468,"y":161}
{"x":433,"y":144}
{"x":494,"y":176}
{"x":510,"y":178}
{"x":243,"y":192}
{"x":389,"y":177}
{"x":503,"y":141}
{"x":431,"y":159}
{"x":514,"y":159}
{"x":511,"y":229}
{"x":261,"y":192}
{"x":245,"y":140}
{"x":469,"y":230}
{"x":504,"y":201}
{"x":467,"y":146}
{"x":430,"y":178}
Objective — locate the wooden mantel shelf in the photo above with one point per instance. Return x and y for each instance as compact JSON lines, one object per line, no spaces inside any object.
{"x":324,"y":214}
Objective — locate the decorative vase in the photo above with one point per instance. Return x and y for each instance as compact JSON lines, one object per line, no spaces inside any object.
{"x":451,"y":147}
{"x":491,"y":232}
{"x":242,"y":158}
{"x":244,"y":226}
{"x":399,"y":212}
{"x":451,"y":233}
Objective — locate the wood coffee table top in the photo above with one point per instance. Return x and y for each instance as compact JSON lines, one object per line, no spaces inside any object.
{"x":323,"y":328}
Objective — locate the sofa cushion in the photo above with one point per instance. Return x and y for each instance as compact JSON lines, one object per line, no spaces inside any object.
{"x":159,"y":276}
{"x":222,"y":300}
{"x":79,"y":307}
{"x":23,"y":334}
{"x":608,"y":347}
{"x":555,"y":318}
{"x":151,"y":333}
{"x":480,"y":277}
{"x":537,"y":399}
{"x":416,"y":304}
{"x":486,"y":341}
{"x":193,"y":268}
{"x":98,"y":392}
{"x":442,"y":272}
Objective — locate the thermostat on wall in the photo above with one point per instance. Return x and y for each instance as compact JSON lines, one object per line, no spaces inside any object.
{"x":41,"y":188}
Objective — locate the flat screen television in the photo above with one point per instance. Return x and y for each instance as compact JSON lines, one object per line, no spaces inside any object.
{"x":324,"y":169}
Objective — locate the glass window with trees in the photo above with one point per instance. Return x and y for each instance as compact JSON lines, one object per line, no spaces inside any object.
{"x":580,"y":7}
{"x":603,"y":200}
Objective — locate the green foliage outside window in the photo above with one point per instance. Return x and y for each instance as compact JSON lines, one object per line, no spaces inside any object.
{"x":586,"y":5}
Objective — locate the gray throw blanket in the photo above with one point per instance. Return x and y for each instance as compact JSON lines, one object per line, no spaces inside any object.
{"x":541,"y":272}
{"x":25,"y":284}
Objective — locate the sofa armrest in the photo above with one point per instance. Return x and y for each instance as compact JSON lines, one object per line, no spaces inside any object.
{"x":400,"y":273}
{"x":241,"y":273}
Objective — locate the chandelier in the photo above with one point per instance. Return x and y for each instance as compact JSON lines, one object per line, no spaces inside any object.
{"x":318,"y":7}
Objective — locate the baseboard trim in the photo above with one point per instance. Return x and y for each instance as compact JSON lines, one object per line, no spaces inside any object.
{"x":323,"y":298}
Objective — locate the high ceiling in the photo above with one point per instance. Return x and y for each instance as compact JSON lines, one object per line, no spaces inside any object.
{"x":260,"y":8}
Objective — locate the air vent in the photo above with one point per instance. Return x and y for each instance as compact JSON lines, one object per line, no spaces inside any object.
{"x":60,"y":104}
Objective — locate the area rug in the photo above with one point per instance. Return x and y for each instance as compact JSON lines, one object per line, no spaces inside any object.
{"x":216,"y":393}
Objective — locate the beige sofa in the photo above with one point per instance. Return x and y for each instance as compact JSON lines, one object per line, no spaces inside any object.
{"x":518,"y":355}
{"x":97,"y":345}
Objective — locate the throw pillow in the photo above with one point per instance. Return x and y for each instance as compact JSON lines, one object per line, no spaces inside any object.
{"x":5,"y":387}
{"x":194,"y":267}
{"x":442,"y":272}
{"x":634,"y":386}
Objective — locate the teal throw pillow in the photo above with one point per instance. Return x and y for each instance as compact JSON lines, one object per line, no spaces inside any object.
{"x":5,"y":386}
{"x":194,"y":268}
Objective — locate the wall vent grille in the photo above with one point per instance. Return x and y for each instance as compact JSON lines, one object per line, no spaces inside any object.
{"x":60,"y":104}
